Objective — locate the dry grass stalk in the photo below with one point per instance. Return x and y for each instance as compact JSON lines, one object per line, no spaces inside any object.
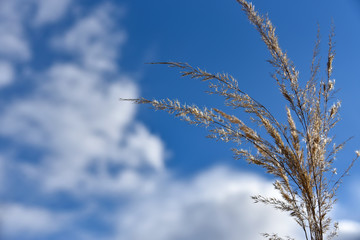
{"x":299,"y":153}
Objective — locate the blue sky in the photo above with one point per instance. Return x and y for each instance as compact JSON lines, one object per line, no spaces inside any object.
{"x":76,"y":163}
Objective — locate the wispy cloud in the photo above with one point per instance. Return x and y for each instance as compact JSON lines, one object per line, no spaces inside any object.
{"x":95,"y":39}
{"x":49,"y":11}
{"x":349,"y":230}
{"x":7,"y":73}
{"x":75,"y":114}
{"x":216,"y":204}
{"x":25,"y":220}
{"x":13,"y":43}
{"x":90,"y":142}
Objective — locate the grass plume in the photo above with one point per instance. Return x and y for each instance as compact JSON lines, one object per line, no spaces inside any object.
{"x":299,"y":153}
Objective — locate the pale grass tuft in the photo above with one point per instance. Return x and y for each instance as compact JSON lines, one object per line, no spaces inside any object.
{"x":300,"y":153}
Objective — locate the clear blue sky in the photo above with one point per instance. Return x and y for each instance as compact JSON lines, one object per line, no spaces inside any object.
{"x":76,"y":163}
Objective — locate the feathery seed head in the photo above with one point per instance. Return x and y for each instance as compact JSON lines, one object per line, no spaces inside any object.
{"x":297,"y":156}
{"x":357,"y":153}
{"x":331,"y":84}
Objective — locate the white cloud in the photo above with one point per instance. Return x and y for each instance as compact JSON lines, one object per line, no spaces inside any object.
{"x":15,"y":16}
{"x":75,"y":114}
{"x":49,"y":11}
{"x":91,"y":140}
{"x":143,"y":145}
{"x":214,"y":205}
{"x":81,"y":121}
{"x":2,"y":174}
{"x":349,"y":230}
{"x":6,"y":73}
{"x":13,"y":43}
{"x":94,"y":39}
{"x":22,"y":220}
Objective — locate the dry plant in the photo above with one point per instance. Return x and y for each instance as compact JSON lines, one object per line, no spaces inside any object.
{"x":299,"y":153}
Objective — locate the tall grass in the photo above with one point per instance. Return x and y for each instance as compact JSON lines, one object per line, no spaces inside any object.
{"x":299,"y":153}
